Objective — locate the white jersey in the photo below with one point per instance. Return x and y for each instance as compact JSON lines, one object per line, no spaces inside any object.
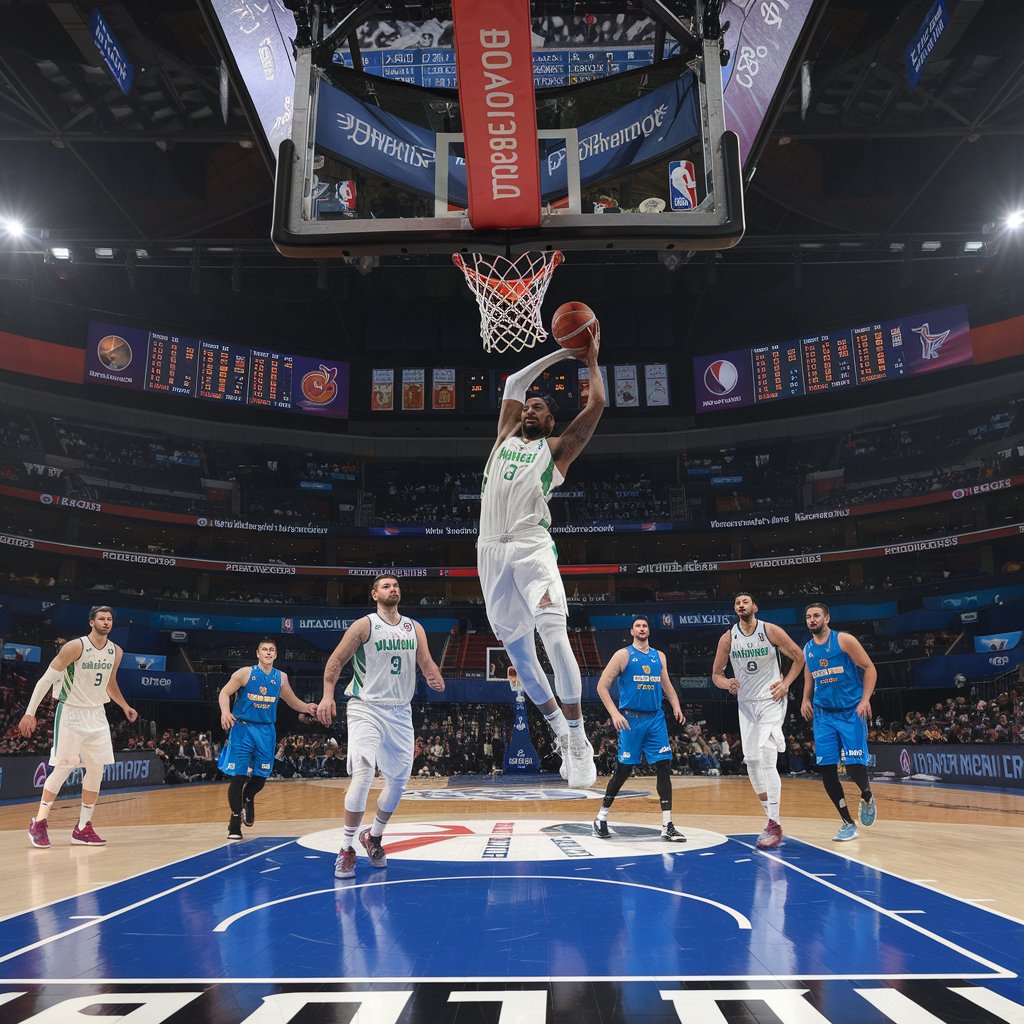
{"x":755,"y":660}
{"x":384,"y":668}
{"x":514,"y":494}
{"x":84,"y":682}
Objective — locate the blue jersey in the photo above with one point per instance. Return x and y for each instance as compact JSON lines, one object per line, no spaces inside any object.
{"x":257,"y":701}
{"x":640,"y":683}
{"x":838,"y":682}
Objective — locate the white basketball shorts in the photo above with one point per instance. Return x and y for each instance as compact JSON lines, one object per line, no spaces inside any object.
{"x":761,"y":727}
{"x":80,"y":736}
{"x":380,"y":735}
{"x":515,"y":576}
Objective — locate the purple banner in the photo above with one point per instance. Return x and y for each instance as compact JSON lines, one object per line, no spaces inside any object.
{"x":321,"y":387}
{"x":723,"y":381}
{"x":936,"y":340}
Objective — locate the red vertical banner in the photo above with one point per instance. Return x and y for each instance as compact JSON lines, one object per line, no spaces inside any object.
{"x":494,"y":57}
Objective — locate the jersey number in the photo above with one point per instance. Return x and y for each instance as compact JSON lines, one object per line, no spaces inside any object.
{"x":751,"y":666}
{"x":396,"y":665}
{"x":99,"y":679}
{"x":510,"y":472}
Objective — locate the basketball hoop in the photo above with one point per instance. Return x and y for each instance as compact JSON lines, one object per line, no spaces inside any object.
{"x":515,"y":684}
{"x":509,"y":294}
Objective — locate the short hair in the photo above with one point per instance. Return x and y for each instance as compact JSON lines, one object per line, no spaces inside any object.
{"x":383,"y":576}
{"x":743,"y":593}
{"x":267,"y":640}
{"x":548,"y":399}
{"x":817,"y":604}
{"x":97,"y":608}
{"x":640,"y":618}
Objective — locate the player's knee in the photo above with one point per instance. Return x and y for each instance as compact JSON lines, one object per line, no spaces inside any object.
{"x":390,"y":796}
{"x":92,"y":778}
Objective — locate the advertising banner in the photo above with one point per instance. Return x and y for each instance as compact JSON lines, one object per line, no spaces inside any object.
{"x":938,"y":672}
{"x":13,"y":651}
{"x":520,"y":754}
{"x":155,"y":685}
{"x":25,"y":776}
{"x":971,"y":764}
{"x":144,"y":662}
{"x":997,"y":642}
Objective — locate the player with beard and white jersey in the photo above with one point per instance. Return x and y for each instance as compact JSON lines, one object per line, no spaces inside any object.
{"x":516,"y":558}
{"x":385,"y":648}
{"x":754,"y":648}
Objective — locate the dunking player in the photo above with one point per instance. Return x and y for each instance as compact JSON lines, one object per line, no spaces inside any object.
{"x":83,"y":677}
{"x":754,"y":647}
{"x":386,"y":648}
{"x":517,"y":560}
{"x":839,"y":679}
{"x":248,"y":754}
{"x":643,"y":681}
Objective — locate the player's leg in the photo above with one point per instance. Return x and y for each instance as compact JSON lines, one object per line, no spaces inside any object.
{"x":395,"y":757}
{"x":772,"y":743}
{"x":623,"y":770}
{"x":84,"y":834}
{"x":750,"y":742}
{"x":826,"y":755}
{"x":854,"y":732}
{"x":95,"y":751}
{"x":658,"y":752}
{"x":265,"y":738}
{"x":364,"y":737}
{"x":38,"y":829}
{"x":236,"y":758}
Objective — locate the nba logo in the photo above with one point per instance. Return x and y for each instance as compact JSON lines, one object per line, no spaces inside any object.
{"x":682,"y":185}
{"x":287,"y":625}
{"x":346,"y":195}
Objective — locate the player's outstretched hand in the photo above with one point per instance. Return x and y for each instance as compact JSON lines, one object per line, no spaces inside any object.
{"x":326,"y":711}
{"x":27,"y":725}
{"x":592,"y":350}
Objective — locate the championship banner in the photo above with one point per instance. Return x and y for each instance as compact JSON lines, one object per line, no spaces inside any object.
{"x":656,"y":380}
{"x":584,"y":379}
{"x":382,"y":395}
{"x":520,"y":754}
{"x":413,"y":390}
{"x":443,"y":396}
{"x":627,"y":392}
{"x":494,"y":54}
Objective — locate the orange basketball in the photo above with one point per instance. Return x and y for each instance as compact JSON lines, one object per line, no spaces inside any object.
{"x":114,"y":352}
{"x":572,"y":326}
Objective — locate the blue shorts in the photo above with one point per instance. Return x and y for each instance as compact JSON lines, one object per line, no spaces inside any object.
{"x":843,"y":730}
{"x":647,"y":735}
{"x":249,"y":750}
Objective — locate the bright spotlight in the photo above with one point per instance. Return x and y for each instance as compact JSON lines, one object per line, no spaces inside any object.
{"x":1015,"y":219}
{"x":13,"y":227}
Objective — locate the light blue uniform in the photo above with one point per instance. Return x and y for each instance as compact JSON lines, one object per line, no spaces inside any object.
{"x":640,"y":702}
{"x":249,"y":749}
{"x":838,"y":688}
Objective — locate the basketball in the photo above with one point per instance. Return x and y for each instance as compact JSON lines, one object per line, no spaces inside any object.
{"x":114,"y":352}
{"x":572,"y":326}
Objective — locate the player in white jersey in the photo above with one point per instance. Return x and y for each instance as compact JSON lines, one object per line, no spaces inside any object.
{"x":754,"y":648}
{"x":82,"y":678}
{"x":385,"y":647}
{"x":516,"y":558}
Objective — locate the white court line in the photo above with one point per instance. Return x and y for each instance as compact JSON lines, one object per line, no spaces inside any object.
{"x":139,"y":903}
{"x":743,"y":860}
{"x":705,"y":855}
{"x":825,"y":874}
{"x":740,"y":920}
{"x":84,"y":917}
{"x":121,"y":881}
{"x":266,"y":871}
{"x":1002,"y":972}
{"x":979,"y":899}
{"x":183,"y":878}
{"x":910,"y":911}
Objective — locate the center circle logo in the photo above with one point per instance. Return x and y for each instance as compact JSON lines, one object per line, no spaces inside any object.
{"x":487,"y":841}
{"x":721,"y":377}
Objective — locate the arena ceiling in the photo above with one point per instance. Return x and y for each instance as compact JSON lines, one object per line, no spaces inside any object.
{"x":865,"y":186}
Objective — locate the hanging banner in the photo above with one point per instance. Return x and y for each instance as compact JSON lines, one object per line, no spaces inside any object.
{"x":656,"y":381}
{"x":413,"y":390}
{"x":382,"y":395}
{"x":997,"y":642}
{"x":584,"y":379}
{"x":520,"y":754}
{"x":627,"y":392}
{"x":444,"y":389}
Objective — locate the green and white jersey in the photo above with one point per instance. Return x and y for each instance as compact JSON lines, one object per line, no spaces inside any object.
{"x":84,"y":682}
{"x":755,"y":660}
{"x":514,"y":494}
{"x":384,"y":668}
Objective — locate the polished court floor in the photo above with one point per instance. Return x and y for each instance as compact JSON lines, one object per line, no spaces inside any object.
{"x":499,"y":907}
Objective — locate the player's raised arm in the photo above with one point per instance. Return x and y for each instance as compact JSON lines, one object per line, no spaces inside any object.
{"x":517,"y":385}
{"x":574,"y":438}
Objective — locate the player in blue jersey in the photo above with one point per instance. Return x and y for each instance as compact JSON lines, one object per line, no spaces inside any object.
{"x":248,"y":753}
{"x":839,"y":679}
{"x":643,"y":678}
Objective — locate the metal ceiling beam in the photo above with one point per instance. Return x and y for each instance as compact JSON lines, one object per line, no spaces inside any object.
{"x":180,"y":137}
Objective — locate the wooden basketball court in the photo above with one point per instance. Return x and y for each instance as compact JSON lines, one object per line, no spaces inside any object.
{"x":922,"y":911}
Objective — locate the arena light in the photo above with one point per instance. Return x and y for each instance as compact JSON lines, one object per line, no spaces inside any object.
{"x":1015,"y":219}
{"x":59,"y":252}
{"x":14,"y":227}
{"x":973,"y":246}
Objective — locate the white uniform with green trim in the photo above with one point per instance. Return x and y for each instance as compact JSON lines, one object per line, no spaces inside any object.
{"x":379,"y":710}
{"x":756,"y":664}
{"x":516,"y":558}
{"x":80,"y":731}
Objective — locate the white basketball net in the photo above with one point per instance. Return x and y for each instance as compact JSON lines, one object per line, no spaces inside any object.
{"x":509,"y":294}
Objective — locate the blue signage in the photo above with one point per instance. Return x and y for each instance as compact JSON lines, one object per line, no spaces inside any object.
{"x":13,"y":651}
{"x":120,"y":68}
{"x":921,"y":45}
{"x":520,"y":754}
{"x":997,"y":642}
{"x":144,"y":662}
{"x":139,"y":685}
